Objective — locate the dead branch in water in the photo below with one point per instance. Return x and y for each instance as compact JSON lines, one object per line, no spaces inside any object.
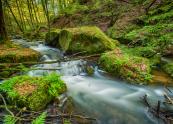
{"x":157,"y":111}
{"x":27,"y":116}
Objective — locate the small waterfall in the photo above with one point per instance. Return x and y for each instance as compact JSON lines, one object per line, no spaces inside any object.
{"x":71,"y":68}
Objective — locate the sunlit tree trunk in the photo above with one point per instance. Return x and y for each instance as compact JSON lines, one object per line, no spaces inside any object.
{"x":7,"y":3}
{"x":37,"y":9}
{"x":3,"y":33}
{"x":30,"y":13}
{"x":20,"y":15}
{"x":35,"y":13}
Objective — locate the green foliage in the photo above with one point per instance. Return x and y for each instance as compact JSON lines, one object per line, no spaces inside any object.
{"x":160,"y":17}
{"x":33,"y":92}
{"x":66,"y":121}
{"x":149,"y":31}
{"x":151,"y":39}
{"x":56,"y":85}
{"x":65,"y":38}
{"x":74,"y":8}
{"x":164,"y":8}
{"x":40,"y":119}
{"x":8,"y":119}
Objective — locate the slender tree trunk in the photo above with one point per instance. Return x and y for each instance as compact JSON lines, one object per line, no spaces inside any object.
{"x":3,"y":33}
{"x":35,"y":13}
{"x":7,"y":3}
{"x":20,"y":15}
{"x":30,"y":14}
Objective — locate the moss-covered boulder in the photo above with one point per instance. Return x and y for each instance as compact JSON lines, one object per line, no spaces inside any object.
{"x":33,"y":92}
{"x":82,"y":39}
{"x":12,"y":53}
{"x":129,"y":67}
{"x":168,"y":68}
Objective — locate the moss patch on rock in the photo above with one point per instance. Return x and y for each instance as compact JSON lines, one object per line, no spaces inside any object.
{"x":10,"y":53}
{"x":33,"y":92}
{"x":168,"y":68}
{"x":129,"y":67}
{"x":82,"y":39}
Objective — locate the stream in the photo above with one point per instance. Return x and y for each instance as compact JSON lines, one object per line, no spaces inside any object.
{"x":109,"y":100}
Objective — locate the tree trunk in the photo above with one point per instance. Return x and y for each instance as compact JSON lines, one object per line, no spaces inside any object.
{"x":3,"y":33}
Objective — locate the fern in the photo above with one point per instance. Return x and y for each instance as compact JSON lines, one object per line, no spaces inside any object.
{"x":8,"y":119}
{"x":40,"y":119}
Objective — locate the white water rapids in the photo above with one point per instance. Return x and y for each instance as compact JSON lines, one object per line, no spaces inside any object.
{"x":109,"y":100}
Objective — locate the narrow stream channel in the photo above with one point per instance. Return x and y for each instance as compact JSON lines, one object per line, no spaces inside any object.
{"x":109,"y":100}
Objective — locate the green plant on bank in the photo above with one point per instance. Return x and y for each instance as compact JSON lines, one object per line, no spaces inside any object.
{"x":40,"y":119}
{"x":74,"y":8}
{"x":160,"y":17}
{"x":33,"y":92}
{"x":164,"y":8}
{"x":168,"y":68}
{"x":8,"y":119}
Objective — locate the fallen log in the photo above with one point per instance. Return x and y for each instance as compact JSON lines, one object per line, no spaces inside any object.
{"x":162,"y":114}
{"x":51,"y":62}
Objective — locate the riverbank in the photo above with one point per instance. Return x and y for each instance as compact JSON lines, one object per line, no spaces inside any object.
{"x":13,"y":53}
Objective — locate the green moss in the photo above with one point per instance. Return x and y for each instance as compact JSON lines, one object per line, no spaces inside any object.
{"x":149,"y":31}
{"x":118,"y":33}
{"x":17,"y":54}
{"x":168,"y":68}
{"x":127,"y":66}
{"x":65,"y":39}
{"x":151,"y":39}
{"x":160,"y":17}
{"x":73,"y":8}
{"x":90,"y":70}
{"x":33,"y":92}
{"x":147,"y":52}
{"x":51,"y":37}
{"x":12,"y":53}
{"x":166,"y":7}
{"x":88,"y":39}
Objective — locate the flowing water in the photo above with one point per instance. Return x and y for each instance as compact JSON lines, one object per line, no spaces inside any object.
{"x":109,"y":100}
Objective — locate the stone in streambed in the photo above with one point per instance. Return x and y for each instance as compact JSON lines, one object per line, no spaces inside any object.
{"x":82,"y":39}
{"x":12,"y":53}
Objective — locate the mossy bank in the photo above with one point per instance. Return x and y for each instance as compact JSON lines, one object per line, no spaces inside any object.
{"x":12,"y":53}
{"x":131,"y":68}
{"x":32,"y":92}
